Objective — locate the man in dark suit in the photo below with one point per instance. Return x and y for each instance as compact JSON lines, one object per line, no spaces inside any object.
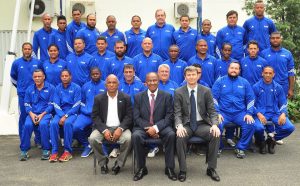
{"x":112,"y":121}
{"x":153,"y":116}
{"x":195,"y":115}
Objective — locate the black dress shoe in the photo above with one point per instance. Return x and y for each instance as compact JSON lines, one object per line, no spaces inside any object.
{"x":104,"y":168}
{"x":262,"y":147}
{"x":140,"y":174}
{"x":213,"y":174}
{"x":182,"y":176}
{"x":115,"y":169}
{"x":171,"y":174}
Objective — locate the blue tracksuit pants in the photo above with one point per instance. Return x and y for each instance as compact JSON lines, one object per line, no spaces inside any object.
{"x":79,"y":129}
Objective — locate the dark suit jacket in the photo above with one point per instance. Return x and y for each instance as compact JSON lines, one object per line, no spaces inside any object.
{"x":99,"y":113}
{"x":163,"y":110}
{"x":205,"y":105}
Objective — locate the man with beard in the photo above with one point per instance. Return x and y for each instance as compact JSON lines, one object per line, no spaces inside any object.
{"x":147,"y":61}
{"x":89,"y":34}
{"x":80,"y":63}
{"x":112,"y":34}
{"x":41,"y":38}
{"x":73,"y":28}
{"x":115,"y":65}
{"x":282,"y":61}
{"x":88,"y":92}
{"x":134,"y":37}
{"x":234,"y":101}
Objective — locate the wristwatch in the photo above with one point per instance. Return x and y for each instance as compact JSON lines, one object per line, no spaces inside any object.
{"x":66,"y":115}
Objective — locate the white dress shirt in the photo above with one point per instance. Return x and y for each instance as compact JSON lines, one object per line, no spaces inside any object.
{"x":150,"y":97}
{"x":199,"y":118}
{"x":112,"y":112}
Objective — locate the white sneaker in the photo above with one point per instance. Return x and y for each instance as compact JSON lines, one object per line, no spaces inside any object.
{"x":279,"y":142}
{"x":114,"y":153}
{"x":152,"y":152}
{"x":231,"y":142}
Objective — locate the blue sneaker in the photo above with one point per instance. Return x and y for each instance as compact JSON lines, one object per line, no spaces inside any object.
{"x":45,"y":155}
{"x":23,"y":156}
{"x":87,"y":151}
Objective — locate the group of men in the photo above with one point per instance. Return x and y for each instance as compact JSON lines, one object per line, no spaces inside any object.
{"x":158,"y":83}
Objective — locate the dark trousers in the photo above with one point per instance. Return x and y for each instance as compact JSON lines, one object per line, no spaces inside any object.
{"x":203,"y":132}
{"x":168,"y":139}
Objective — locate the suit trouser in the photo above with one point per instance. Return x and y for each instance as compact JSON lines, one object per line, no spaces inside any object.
{"x":79,"y":126}
{"x":202,"y":131}
{"x":168,"y":138}
{"x":68,"y":133}
{"x":43,"y":127}
{"x":246,"y":129}
{"x":96,"y":139}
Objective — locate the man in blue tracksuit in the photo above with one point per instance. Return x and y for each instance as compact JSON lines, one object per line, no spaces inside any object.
{"x":176,"y":65}
{"x":112,"y":34}
{"x":282,"y":61}
{"x":222,"y":64}
{"x":58,"y":37}
{"x":233,"y":34}
{"x":234,"y":100}
{"x":21,"y":77}
{"x":271,"y":105}
{"x":258,"y":27}
{"x":185,"y":38}
{"x":161,"y":34}
{"x":80,"y":63}
{"x":115,"y":65}
{"x":129,"y":84}
{"x":41,"y":38}
{"x":102,"y":56}
{"x":209,"y":38}
{"x":253,"y":65}
{"x":147,"y":61}
{"x":89,"y":34}
{"x":165,"y":84}
{"x":73,"y":28}
{"x":88,"y":92}
{"x":38,"y":105}
{"x":207,"y":62}
{"x":134,"y":37}
{"x":199,"y":73}
{"x":66,"y":101}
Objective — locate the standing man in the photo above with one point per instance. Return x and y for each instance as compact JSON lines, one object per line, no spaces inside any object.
{"x":234,"y":101}
{"x":112,"y":121}
{"x":222,"y":64}
{"x":153,"y":116}
{"x":73,"y":28}
{"x":195,"y":115}
{"x":253,"y":65}
{"x":80,"y":63}
{"x":58,"y":37}
{"x":134,"y":37}
{"x":112,"y":34}
{"x":89,"y":34}
{"x":66,"y":101}
{"x":21,"y":77}
{"x":209,"y":38}
{"x":147,"y":61}
{"x":282,"y":61}
{"x":233,"y":34}
{"x":176,"y":65}
{"x":101,"y":57}
{"x":165,"y":84}
{"x":161,"y":34}
{"x":185,"y":38}
{"x":88,"y":92}
{"x":41,"y":38}
{"x":271,"y":104}
{"x":207,"y":62}
{"x":258,"y":27}
{"x":38,"y":105}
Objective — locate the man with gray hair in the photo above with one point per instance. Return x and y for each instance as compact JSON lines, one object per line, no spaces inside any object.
{"x":165,"y":84}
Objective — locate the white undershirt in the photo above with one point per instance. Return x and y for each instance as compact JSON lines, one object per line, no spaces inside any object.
{"x":112,"y":112}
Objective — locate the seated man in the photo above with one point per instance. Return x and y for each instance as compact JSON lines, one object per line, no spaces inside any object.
{"x":153,"y":116}
{"x":271,"y":104}
{"x":89,"y":91}
{"x":66,"y":103}
{"x":112,"y":121}
{"x":234,"y":101}
{"x":195,"y":115}
{"x":38,"y":105}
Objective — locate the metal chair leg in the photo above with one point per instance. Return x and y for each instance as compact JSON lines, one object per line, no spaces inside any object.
{"x":95,"y":164}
